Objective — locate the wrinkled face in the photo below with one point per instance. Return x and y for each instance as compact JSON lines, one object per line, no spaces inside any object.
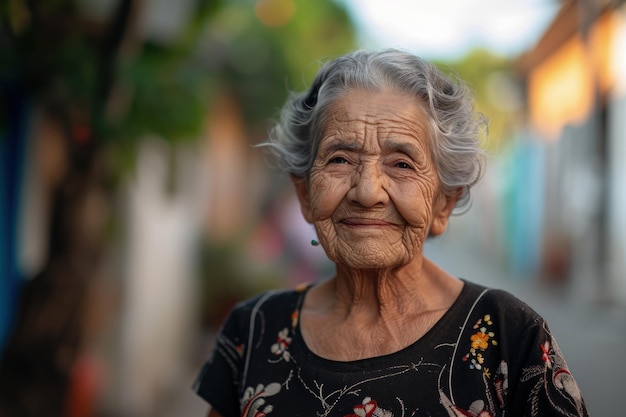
{"x":373,"y":193}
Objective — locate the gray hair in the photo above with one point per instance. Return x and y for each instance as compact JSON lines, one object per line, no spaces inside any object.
{"x":456,"y":128}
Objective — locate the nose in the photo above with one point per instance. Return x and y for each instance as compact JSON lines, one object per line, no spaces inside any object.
{"x":369,"y":186}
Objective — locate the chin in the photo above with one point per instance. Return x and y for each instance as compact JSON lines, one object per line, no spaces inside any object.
{"x":372,"y":261}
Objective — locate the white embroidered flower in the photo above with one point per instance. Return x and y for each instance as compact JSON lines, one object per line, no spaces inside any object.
{"x":255,"y":398}
{"x":282,"y":343}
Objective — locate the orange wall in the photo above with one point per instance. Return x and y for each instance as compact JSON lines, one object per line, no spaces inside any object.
{"x":561,"y":89}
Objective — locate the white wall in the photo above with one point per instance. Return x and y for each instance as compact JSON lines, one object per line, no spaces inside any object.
{"x":157,"y":319}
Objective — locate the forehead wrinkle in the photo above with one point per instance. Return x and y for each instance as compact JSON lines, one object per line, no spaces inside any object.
{"x":412,"y":136}
{"x":410,"y":122}
{"x":408,"y":148}
{"x":349,"y":126}
{"x":345,"y":135}
{"x":338,"y":143}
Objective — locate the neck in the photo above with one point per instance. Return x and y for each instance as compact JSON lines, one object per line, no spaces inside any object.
{"x":395,"y":306}
{"x":414,"y":288}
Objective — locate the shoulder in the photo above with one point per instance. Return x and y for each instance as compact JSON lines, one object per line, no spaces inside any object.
{"x":506,"y":307}
{"x":271,"y":303}
{"x":500,"y":322}
{"x":271,"y":299}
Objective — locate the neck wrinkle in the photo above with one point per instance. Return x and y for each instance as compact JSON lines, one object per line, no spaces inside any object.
{"x":381,"y":294}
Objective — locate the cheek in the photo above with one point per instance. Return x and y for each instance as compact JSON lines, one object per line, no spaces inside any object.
{"x":326,"y":195}
{"x":414,"y":202}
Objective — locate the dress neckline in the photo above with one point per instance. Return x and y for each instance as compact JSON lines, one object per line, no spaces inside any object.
{"x":461,"y":302}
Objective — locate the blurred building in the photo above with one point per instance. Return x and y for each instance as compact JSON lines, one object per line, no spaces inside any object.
{"x":140,"y":227}
{"x":575,"y":81}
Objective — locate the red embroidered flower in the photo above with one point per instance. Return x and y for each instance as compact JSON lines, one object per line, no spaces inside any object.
{"x":369,"y":408}
{"x":545,"y":355}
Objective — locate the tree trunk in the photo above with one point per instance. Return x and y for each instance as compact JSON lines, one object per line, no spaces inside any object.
{"x":48,"y":333}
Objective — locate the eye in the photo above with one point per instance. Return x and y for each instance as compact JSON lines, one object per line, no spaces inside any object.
{"x":403,"y":165}
{"x":338,"y":160}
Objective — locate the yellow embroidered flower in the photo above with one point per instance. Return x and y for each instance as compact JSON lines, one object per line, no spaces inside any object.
{"x":480,"y":340}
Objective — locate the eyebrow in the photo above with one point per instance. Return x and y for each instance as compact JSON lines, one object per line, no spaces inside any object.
{"x":339,"y":145}
{"x":402,"y":147}
{"x":390,"y":146}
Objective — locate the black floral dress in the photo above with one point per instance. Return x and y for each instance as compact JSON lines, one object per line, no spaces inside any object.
{"x":489,"y":355}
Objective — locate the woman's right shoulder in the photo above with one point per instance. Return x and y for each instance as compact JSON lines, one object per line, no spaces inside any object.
{"x":269,"y":303}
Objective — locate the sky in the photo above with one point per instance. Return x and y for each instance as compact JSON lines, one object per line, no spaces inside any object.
{"x":446,"y":29}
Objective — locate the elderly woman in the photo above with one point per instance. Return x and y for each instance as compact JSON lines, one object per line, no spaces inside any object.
{"x":381,"y":148}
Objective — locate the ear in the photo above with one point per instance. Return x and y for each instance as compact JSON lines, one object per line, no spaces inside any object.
{"x":302,"y":191}
{"x":442,"y":211}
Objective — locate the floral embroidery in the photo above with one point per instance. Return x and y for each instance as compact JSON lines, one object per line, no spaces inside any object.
{"x":480,"y":342}
{"x":545,"y":354}
{"x":480,"y":339}
{"x":294,"y":318}
{"x":568,"y":388}
{"x":555,"y":375}
{"x":282,"y":343}
{"x":254,"y":399}
{"x":476,"y":408}
{"x":501,"y":383}
{"x":369,"y":408}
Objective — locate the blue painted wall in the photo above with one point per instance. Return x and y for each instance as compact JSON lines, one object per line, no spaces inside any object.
{"x":13,"y":147}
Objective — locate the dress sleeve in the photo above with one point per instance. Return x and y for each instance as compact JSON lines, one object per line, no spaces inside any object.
{"x":541,"y":384}
{"x":217,"y":382}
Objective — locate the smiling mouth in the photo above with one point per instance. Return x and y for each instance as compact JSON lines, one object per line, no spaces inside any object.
{"x":357,"y":223}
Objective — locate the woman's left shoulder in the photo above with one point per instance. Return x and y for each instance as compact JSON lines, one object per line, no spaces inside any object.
{"x":504,"y":305}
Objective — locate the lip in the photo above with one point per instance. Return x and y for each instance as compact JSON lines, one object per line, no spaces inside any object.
{"x":361,"y":222}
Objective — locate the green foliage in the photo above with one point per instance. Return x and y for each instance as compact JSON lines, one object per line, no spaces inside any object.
{"x":71,"y":65}
{"x":47,"y":51}
{"x":168,"y":97}
{"x":496,"y":88}
{"x":320,"y":30}
{"x":158,"y":92}
{"x":260,"y":63}
{"x":165,"y":90}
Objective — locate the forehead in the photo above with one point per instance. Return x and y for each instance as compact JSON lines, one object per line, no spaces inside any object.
{"x":359,"y":111}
